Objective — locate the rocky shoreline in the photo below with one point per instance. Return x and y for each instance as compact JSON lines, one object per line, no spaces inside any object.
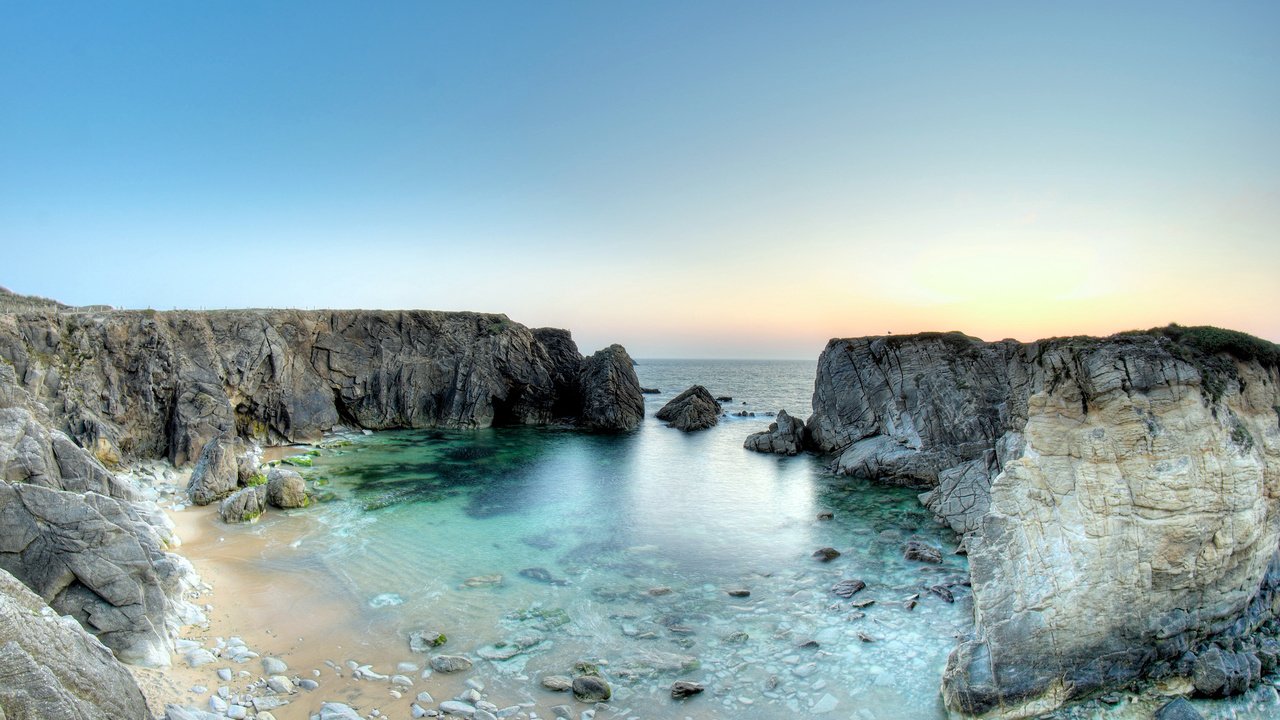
{"x":1118,"y":499}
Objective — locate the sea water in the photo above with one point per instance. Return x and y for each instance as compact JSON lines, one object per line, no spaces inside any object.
{"x":537,"y":551}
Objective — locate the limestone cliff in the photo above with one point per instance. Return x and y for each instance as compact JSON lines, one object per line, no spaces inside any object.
{"x":1120,"y":496}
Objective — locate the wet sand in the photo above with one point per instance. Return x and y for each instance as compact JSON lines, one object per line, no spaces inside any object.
{"x":263,"y":590}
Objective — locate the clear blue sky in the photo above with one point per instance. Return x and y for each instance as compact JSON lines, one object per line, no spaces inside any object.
{"x":688,"y":178}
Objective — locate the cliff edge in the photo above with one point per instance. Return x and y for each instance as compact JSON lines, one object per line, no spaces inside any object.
{"x":1119,"y":497}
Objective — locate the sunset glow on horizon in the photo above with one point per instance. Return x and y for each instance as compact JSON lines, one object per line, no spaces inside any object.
{"x":688,"y":179}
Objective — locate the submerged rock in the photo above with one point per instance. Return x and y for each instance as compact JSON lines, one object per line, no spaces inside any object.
{"x":591,"y":688}
{"x":826,"y":554}
{"x":848,"y":588}
{"x":786,"y":436}
{"x":693,"y":409}
{"x":681,"y":689}
{"x":921,"y":552}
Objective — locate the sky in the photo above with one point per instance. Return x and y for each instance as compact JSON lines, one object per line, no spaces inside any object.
{"x":691,"y":179}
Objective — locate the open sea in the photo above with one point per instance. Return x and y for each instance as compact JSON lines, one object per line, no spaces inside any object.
{"x":534,"y":550}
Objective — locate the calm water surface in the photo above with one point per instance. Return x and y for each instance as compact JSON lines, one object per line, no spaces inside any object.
{"x":536,"y":549}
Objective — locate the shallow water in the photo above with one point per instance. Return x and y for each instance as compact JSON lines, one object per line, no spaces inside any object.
{"x":536,"y":549}
{"x":587,"y":534}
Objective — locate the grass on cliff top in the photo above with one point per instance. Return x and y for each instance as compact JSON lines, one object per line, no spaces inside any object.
{"x":1206,"y":340}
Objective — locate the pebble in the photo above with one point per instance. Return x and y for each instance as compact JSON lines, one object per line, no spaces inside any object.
{"x":224,"y":674}
{"x":274,"y":666}
{"x":453,"y":707}
{"x":425,"y":697}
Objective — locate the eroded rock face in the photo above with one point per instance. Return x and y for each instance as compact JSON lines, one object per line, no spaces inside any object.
{"x":611,"y":397}
{"x":784,"y":437}
{"x":94,"y":558}
{"x":1119,"y":498}
{"x":51,"y":668}
{"x":143,"y":384}
{"x":693,"y":409}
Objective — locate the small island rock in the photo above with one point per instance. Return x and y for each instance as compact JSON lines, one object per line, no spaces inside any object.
{"x":693,"y":409}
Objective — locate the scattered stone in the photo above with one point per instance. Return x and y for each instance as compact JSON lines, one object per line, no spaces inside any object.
{"x":681,"y":689}
{"x":557,"y":683}
{"x":274,"y":666}
{"x":591,"y":688}
{"x":921,"y":551}
{"x":455,"y":707}
{"x":423,"y":640}
{"x":848,"y":588}
{"x":280,"y":684}
{"x":826,"y":554}
{"x":450,"y":663}
{"x":1178,"y":709}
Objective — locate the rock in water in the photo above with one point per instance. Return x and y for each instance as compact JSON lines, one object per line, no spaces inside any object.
{"x":681,"y":689}
{"x":591,"y":688}
{"x":450,"y":663}
{"x":826,"y":554}
{"x":286,"y":489}
{"x":784,"y":437}
{"x":1095,"y":462}
{"x":611,"y":397}
{"x":693,"y":409}
{"x":1178,"y":709}
{"x":921,"y":552}
{"x":422,"y":641}
{"x":244,"y":505}
{"x":51,"y":668}
{"x":848,"y":588}
{"x":217,"y":472}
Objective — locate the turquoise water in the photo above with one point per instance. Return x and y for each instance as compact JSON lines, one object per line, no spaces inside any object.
{"x":620,"y":551}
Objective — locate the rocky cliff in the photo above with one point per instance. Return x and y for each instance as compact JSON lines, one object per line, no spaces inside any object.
{"x":84,"y":390}
{"x":1120,"y":497}
{"x":140,"y":384}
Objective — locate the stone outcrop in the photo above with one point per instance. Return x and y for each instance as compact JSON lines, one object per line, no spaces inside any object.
{"x":1120,"y":498}
{"x":51,"y":668}
{"x":611,"y":397}
{"x":693,"y":409}
{"x":129,"y":384}
{"x":217,"y":472}
{"x":786,"y":436}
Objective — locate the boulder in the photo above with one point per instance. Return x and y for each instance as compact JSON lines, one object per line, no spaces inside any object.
{"x":94,"y":558}
{"x":1220,"y":673}
{"x":591,"y":688}
{"x":611,"y":397}
{"x":244,"y":505}
{"x":1178,"y":709}
{"x":51,"y":668}
{"x":784,"y":437}
{"x":693,"y":409}
{"x":217,"y":472}
{"x":921,"y":551}
{"x":286,"y":489}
